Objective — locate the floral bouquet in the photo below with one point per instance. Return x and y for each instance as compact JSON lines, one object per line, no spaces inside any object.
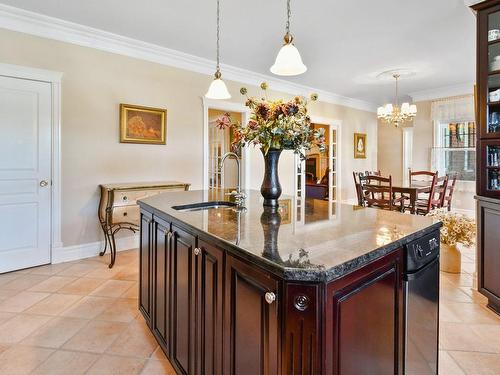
{"x":276,"y":125}
{"x":456,"y":228}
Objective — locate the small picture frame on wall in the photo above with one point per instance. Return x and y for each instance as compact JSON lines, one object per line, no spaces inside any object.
{"x":139,"y":124}
{"x":359,"y":146}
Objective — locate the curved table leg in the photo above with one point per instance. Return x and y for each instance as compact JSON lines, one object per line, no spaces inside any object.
{"x":106,"y":240}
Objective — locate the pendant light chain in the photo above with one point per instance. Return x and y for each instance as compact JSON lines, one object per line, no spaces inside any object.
{"x":288,"y":15}
{"x":218,"y":36}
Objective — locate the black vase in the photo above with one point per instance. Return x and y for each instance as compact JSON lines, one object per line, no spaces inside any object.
{"x":271,"y":222}
{"x":271,"y":188}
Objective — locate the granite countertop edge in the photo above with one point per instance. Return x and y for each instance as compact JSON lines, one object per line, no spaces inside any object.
{"x":298,"y":274}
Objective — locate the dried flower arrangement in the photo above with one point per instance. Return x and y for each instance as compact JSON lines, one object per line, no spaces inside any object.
{"x":275,"y":125}
{"x":456,"y":228}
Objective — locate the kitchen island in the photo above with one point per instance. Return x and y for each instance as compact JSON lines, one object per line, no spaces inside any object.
{"x":254,"y":290}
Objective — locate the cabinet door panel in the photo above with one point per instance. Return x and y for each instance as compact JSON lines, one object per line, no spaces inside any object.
{"x":210,"y":309}
{"x":183,"y":296}
{"x":252,"y":343}
{"x":145,"y":297}
{"x":491,"y":251}
{"x":161,"y":288}
{"x":364,"y":320}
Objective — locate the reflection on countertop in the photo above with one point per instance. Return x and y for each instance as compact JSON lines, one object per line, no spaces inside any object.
{"x":305,"y":240}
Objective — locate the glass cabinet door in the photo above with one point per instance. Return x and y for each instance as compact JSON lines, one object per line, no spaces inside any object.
{"x":493,"y":168}
{"x":493,"y":69}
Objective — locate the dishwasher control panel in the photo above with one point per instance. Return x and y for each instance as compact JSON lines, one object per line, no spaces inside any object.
{"x":422,"y":251}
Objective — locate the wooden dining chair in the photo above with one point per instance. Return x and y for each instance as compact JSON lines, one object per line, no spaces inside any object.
{"x":373,"y":173}
{"x":377,"y":192}
{"x":357,"y":185}
{"x":437,"y":200}
{"x":425,"y":205}
{"x":450,"y":188}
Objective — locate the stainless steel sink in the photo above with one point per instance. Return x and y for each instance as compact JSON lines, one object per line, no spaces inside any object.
{"x":205,"y":206}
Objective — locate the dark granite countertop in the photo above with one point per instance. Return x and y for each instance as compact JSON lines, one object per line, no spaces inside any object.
{"x":315,"y":243}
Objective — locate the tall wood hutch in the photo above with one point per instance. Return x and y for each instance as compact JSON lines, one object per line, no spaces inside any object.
{"x":488,"y":150}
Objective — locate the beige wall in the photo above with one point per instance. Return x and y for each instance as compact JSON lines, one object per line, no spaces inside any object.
{"x":390,"y":151}
{"x":93,"y":86}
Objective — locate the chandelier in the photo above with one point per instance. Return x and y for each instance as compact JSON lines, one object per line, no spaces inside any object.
{"x":394,"y":114}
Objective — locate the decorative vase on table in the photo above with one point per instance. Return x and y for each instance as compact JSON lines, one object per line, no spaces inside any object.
{"x":274,"y":126}
{"x":271,"y":187}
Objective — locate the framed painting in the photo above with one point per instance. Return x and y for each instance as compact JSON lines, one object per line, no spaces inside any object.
{"x":140,"y":124}
{"x":359,"y":146}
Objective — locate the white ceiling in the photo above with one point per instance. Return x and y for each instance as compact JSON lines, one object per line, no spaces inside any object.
{"x":345,"y":44}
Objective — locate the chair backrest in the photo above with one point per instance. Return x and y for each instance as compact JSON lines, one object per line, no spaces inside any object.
{"x":450,"y":188}
{"x":373,"y":173}
{"x":424,"y":175}
{"x":428,"y":207}
{"x":439,"y":193}
{"x":357,"y":184}
{"x":377,"y":191}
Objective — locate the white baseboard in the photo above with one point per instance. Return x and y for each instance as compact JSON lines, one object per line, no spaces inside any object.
{"x":88,"y":250}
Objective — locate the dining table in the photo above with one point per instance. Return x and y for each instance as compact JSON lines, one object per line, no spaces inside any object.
{"x":412,"y":190}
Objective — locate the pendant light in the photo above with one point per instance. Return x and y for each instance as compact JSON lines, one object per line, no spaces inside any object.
{"x":218,"y":89}
{"x":288,"y":62}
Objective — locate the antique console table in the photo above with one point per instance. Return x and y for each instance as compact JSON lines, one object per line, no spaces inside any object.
{"x":118,"y":207}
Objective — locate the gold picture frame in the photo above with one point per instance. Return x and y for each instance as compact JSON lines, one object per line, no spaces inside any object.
{"x":359,"y":146}
{"x":146,"y":125}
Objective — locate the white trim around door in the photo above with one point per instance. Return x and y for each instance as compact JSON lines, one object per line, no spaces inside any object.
{"x":54,"y":79}
{"x":231,"y":107}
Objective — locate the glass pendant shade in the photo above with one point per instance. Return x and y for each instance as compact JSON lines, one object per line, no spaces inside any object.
{"x":288,"y":62}
{"x":218,"y":90}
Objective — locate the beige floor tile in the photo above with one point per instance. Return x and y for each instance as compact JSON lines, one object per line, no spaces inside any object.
{"x":101,"y":271}
{"x":54,"y":304}
{"x":50,"y":269}
{"x":21,"y":301}
{"x":449,"y":292}
{"x":55,"y":333}
{"x":21,"y":360}
{"x":136,"y":341}
{"x":8,"y":277}
{"x":77,"y":270}
{"x":24,"y":282}
{"x":132,"y":292}
{"x":154,"y":367}
{"x":88,"y":307}
{"x":81,"y":286}
{"x":96,"y":336}
{"x":447,"y":365}
{"x":474,"y":363}
{"x":158,"y":354}
{"x":461,"y":279}
{"x":128,"y":273}
{"x":468,"y":267}
{"x":20,"y":326}
{"x":459,"y":336}
{"x":488,"y":333}
{"x":475,"y":296}
{"x":113,"y":365}
{"x":4,"y":316}
{"x":467,"y":313}
{"x":63,"y":363}
{"x":4,"y":294}
{"x":52,"y":284}
{"x":113,"y":288}
{"x":122,"y":310}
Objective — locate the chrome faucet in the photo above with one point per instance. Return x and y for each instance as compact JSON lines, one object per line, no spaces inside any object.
{"x":238,"y":195}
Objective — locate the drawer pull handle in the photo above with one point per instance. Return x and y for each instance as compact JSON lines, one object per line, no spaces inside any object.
{"x":270,"y":297}
{"x":124,"y":214}
{"x":125,"y":198}
{"x":197,"y":251}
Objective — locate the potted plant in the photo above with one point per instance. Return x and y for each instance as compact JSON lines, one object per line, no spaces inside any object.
{"x":456,"y":229}
{"x":274,"y":126}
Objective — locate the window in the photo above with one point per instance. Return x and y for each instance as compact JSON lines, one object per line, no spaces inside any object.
{"x":455,"y":150}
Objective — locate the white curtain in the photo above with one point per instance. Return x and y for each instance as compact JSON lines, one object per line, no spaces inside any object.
{"x":453,"y":110}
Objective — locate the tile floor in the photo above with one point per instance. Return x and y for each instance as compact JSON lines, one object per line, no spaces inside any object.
{"x":82,"y":318}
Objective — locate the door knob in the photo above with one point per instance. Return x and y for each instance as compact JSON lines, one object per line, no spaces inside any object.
{"x":197,"y":251}
{"x":44,"y":183}
{"x":270,"y":297}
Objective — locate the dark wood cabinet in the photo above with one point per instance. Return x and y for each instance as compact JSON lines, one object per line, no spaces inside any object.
{"x":209,"y":309}
{"x":363,"y":320}
{"x":214,"y":313}
{"x":183,"y":297}
{"x":488,"y":149}
{"x":162,"y":282}
{"x":145,"y":265}
{"x":251,"y":323}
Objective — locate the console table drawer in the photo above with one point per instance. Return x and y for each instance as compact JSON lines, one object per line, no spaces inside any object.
{"x":125,"y":214}
{"x":130,"y":197}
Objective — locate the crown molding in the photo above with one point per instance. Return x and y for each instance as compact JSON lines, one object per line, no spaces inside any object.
{"x":24,"y":21}
{"x":443,"y":92}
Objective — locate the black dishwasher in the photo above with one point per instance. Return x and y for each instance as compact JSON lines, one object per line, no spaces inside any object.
{"x":421,"y":288}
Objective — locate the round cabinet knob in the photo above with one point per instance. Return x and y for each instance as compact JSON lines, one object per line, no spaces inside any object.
{"x":125,"y":198}
{"x":169,"y":234}
{"x":44,"y":183}
{"x":270,"y":297}
{"x":197,"y":251}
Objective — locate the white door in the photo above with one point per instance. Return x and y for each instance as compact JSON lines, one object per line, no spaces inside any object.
{"x":25,"y":173}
